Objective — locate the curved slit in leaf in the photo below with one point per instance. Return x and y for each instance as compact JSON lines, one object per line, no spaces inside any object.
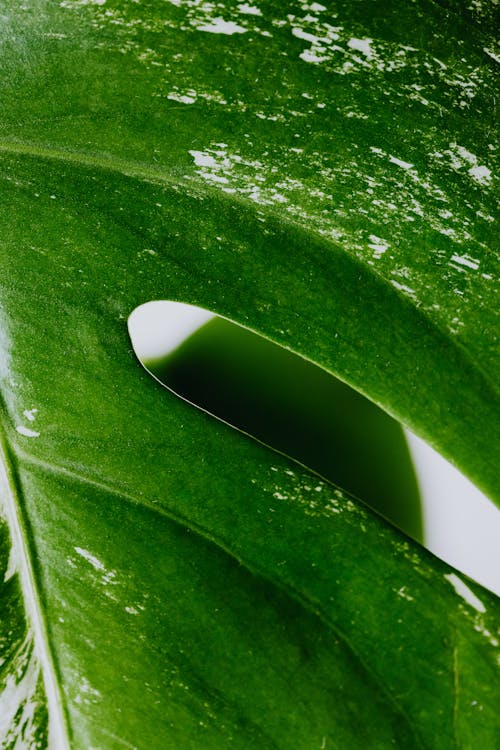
{"x":282,"y":400}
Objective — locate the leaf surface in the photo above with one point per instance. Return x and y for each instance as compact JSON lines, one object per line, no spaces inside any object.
{"x":323,"y":176}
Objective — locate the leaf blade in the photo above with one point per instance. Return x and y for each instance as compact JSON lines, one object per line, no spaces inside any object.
{"x":73,"y":273}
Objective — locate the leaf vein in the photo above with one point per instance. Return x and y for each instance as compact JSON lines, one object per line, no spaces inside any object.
{"x":305,"y":601}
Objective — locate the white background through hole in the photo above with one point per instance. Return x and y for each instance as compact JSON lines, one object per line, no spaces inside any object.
{"x":462,"y":526}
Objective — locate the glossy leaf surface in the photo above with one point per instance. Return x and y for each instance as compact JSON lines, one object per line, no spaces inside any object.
{"x":284,"y":402}
{"x":324,"y":176}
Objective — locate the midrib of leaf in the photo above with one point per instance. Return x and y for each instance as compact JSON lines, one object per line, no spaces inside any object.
{"x":58,"y":727}
{"x":304,"y":600}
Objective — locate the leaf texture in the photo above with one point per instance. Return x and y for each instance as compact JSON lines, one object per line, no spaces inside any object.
{"x":324,"y":176}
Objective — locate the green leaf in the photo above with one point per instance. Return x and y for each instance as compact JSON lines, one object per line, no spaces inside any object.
{"x":285,"y":402}
{"x":323,"y":176}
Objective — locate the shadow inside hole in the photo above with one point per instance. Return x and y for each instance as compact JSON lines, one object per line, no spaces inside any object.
{"x":287,"y":403}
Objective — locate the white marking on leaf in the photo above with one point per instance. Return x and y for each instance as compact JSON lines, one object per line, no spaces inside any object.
{"x":27,"y":432}
{"x":481,"y":174}
{"x":219,"y":26}
{"x":250,"y":10}
{"x":465,"y":260}
{"x":400,"y":162}
{"x":361,"y":45}
{"x":464,"y":591}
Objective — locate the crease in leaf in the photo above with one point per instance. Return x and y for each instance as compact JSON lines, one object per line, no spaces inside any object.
{"x":282,"y":400}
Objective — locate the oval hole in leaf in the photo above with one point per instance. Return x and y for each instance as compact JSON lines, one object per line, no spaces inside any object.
{"x":282,"y":400}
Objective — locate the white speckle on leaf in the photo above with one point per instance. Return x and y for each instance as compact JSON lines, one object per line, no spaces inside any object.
{"x":464,"y":153}
{"x":87,"y":694}
{"x":404,"y":594}
{"x":400,"y":162}
{"x":30,"y":414}
{"x":27,"y":432}
{"x":108,"y":576}
{"x":491,"y":54}
{"x":219,"y":26}
{"x":301,"y":34}
{"x":280,"y":496}
{"x":361,"y":45}
{"x":464,"y":260}
{"x":201,"y":159}
{"x":182,"y":98}
{"x":96,"y":564}
{"x":460,"y":157}
{"x":250,"y":10}
{"x":403,"y":288}
{"x":308,"y":55}
{"x":464,"y":591}
{"x":378,"y":245}
{"x":481,"y":174}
